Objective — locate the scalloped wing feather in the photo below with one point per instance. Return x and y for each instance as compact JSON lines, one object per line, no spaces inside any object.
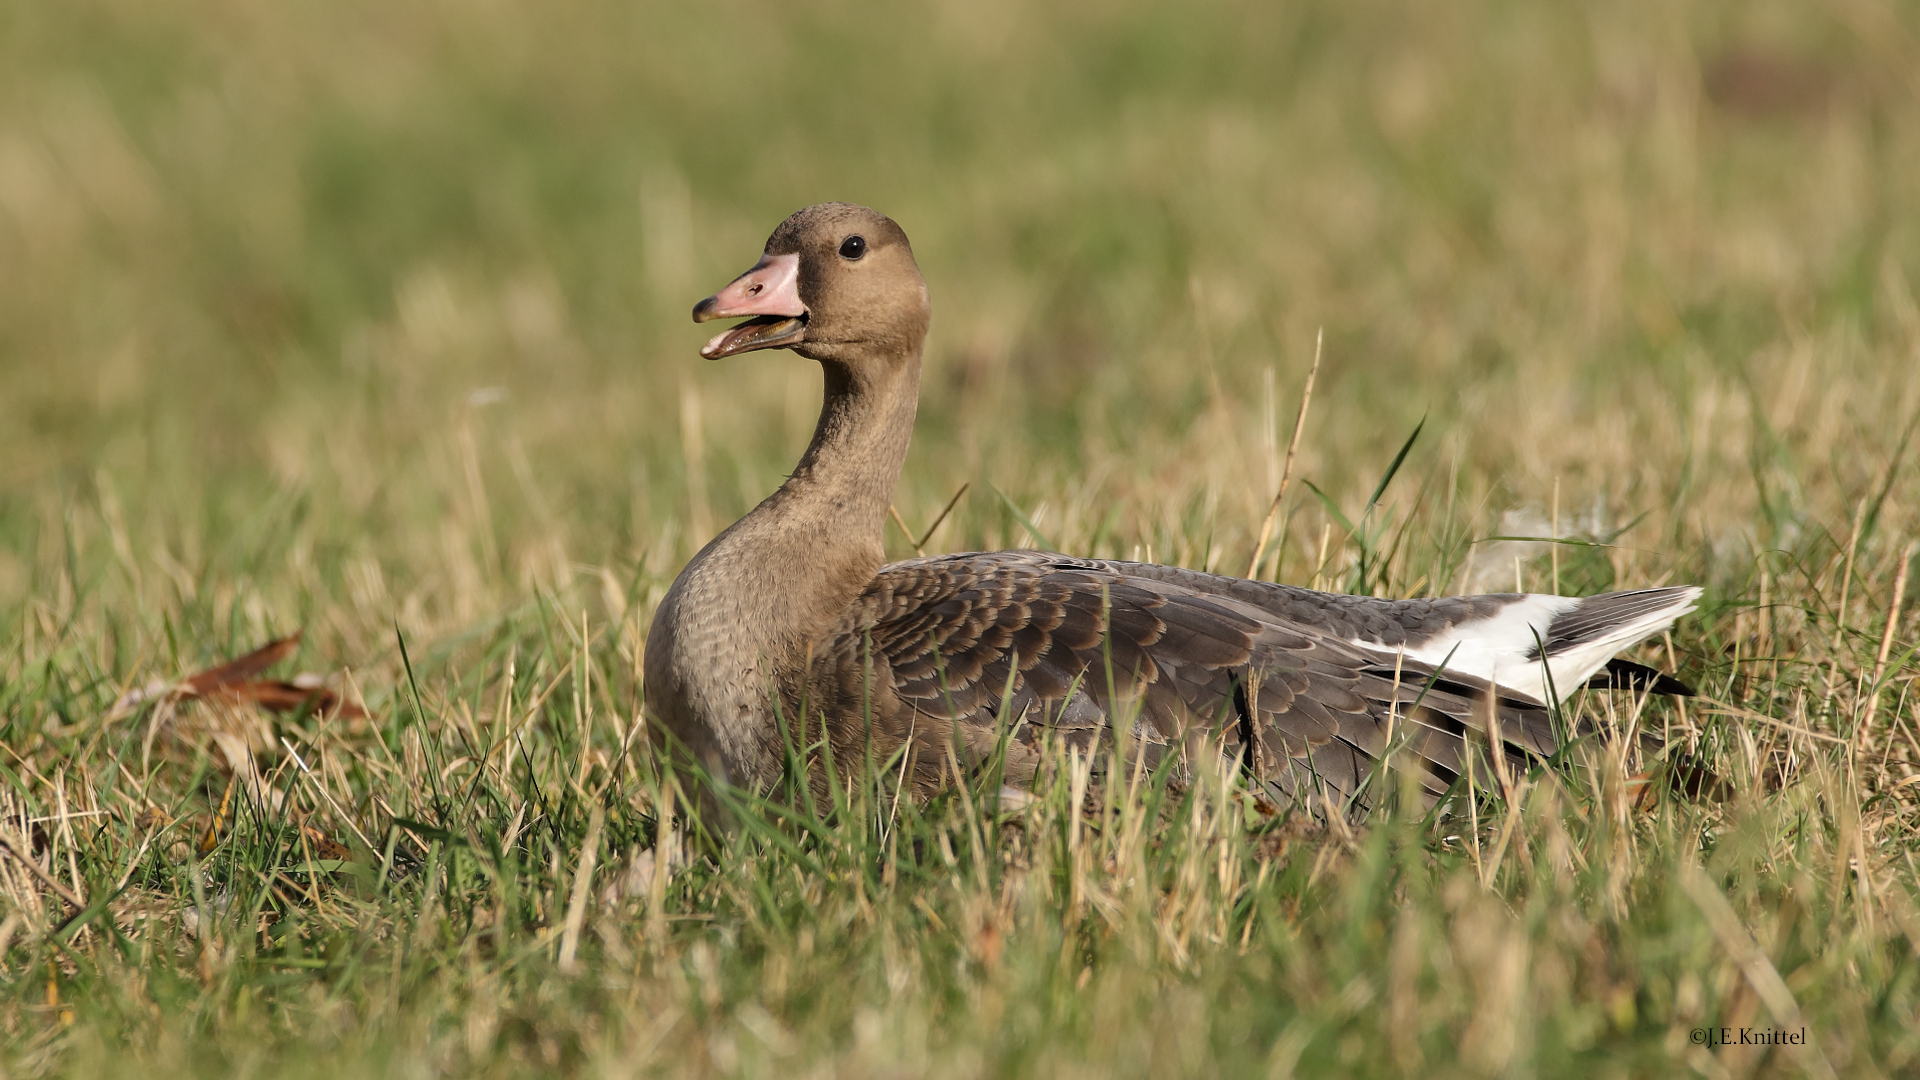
{"x":973,"y":653}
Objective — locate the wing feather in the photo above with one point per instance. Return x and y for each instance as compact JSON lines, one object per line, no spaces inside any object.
{"x":1026,"y":644}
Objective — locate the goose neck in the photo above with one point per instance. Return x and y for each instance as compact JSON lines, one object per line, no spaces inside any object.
{"x":847,"y":475}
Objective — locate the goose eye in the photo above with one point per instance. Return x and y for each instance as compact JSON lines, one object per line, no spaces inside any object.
{"x":853,"y":247}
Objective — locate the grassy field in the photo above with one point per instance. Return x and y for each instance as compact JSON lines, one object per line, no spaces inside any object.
{"x":369,"y":320}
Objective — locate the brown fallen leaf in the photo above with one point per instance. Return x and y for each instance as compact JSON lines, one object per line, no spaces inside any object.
{"x":237,"y":681}
{"x":242,"y":669}
{"x":223,"y":814}
{"x":306,"y":878}
{"x":286,"y":697}
{"x":324,"y":846}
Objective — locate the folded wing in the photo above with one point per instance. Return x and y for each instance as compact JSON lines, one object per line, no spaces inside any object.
{"x":980,"y":654}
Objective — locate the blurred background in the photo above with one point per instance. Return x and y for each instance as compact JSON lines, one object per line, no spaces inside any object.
{"x":331,"y":314}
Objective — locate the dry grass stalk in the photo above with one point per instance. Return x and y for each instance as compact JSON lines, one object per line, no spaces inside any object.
{"x":1286,"y":470}
{"x":1886,"y":645}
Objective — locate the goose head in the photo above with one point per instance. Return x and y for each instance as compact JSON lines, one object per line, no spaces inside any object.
{"x":837,"y":283}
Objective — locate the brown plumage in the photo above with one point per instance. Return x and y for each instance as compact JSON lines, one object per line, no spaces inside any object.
{"x":938,"y":664}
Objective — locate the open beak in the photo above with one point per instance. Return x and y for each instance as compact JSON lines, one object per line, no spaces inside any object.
{"x":769,"y":294}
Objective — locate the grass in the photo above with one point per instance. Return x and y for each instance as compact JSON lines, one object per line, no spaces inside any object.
{"x":370,"y":320}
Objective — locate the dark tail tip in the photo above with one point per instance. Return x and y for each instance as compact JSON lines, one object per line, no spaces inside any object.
{"x":1626,"y":675}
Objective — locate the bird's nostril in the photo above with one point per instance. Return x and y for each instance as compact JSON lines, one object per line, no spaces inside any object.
{"x":755,"y":291}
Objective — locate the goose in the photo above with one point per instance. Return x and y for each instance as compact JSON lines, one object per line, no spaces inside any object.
{"x":789,"y":629}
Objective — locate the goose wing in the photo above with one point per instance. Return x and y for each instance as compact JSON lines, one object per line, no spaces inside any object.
{"x":1006,"y":649}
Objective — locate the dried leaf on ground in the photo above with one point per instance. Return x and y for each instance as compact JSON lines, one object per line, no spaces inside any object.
{"x":324,"y":847}
{"x":221,"y":816}
{"x":237,"y":681}
{"x":240,"y":670}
